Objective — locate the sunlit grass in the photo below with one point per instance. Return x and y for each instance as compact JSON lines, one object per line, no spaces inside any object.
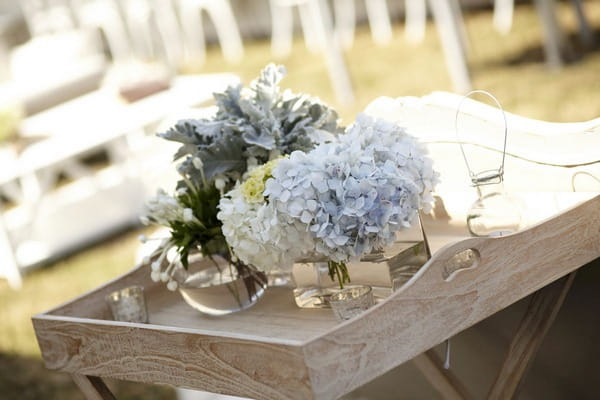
{"x":512,"y":67}
{"x":52,"y":285}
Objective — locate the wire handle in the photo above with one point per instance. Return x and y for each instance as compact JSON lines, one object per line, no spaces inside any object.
{"x":578,"y":173}
{"x":491,"y":176}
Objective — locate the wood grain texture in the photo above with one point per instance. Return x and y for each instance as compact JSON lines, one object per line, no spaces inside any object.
{"x":429,"y":309}
{"x":277,"y":351}
{"x":215,"y":364}
{"x":537,"y":320}
{"x":92,"y":387}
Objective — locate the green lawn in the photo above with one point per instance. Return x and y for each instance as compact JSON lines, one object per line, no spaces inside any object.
{"x":511,"y":67}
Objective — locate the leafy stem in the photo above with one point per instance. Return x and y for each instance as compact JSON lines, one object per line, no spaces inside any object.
{"x":339,"y":271}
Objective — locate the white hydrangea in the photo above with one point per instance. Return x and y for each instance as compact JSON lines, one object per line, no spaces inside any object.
{"x":258,"y":236}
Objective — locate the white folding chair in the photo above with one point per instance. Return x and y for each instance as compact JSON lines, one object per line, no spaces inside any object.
{"x":451,"y":30}
{"x":415,"y":17}
{"x":282,"y":26}
{"x":105,"y":16}
{"x":555,"y":44}
{"x":319,"y":22}
{"x":224,"y":22}
{"x":377,"y":14}
{"x":9,"y":268}
{"x":47,"y":16}
{"x":345,"y":21}
{"x":170,"y":32}
{"x":139,"y":22}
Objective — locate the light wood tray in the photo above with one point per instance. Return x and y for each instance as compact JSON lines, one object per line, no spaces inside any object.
{"x":278,"y":351}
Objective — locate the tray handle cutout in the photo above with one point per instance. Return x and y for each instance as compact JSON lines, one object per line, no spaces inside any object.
{"x":461,"y":261}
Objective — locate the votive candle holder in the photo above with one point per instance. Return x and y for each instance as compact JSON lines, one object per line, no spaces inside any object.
{"x":352,"y":301}
{"x":128,"y":304}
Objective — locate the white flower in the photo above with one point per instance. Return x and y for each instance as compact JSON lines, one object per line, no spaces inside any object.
{"x":188,"y":215}
{"x":198,"y":164}
{"x":162,"y":209}
{"x":258,"y":237}
{"x":220,"y":184}
{"x":155,"y":276}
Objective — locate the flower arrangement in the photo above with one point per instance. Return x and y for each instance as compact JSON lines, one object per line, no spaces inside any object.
{"x":251,"y":127}
{"x":340,"y":201}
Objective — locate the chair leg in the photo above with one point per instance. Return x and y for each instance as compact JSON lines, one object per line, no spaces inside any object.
{"x":193,"y":32}
{"x":9,"y":268}
{"x":169,"y":32}
{"x":587,"y":36}
{"x":137,"y":17}
{"x":379,"y":21}
{"x":336,"y":66}
{"x":460,"y":23}
{"x":282,"y":29}
{"x":227,"y":29}
{"x":345,"y":21}
{"x":503,"y":15}
{"x":450,"y":37}
{"x":554,"y":40}
{"x":415,"y":14}
{"x":313,"y":35}
{"x":106,"y":16}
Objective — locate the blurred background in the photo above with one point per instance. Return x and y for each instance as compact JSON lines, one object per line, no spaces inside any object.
{"x":85,"y":85}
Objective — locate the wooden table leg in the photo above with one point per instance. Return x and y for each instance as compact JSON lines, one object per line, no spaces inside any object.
{"x":93,"y":387}
{"x":442,"y":380}
{"x":539,"y":316}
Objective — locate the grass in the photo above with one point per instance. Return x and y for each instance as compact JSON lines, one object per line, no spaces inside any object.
{"x":511,"y":67}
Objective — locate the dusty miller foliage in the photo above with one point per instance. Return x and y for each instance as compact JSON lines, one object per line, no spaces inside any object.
{"x":260,"y":122}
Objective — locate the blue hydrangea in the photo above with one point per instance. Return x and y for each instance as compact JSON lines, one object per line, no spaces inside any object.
{"x":355,"y":194}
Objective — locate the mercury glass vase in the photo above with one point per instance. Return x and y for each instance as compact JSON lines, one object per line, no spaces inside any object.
{"x":352,"y":301}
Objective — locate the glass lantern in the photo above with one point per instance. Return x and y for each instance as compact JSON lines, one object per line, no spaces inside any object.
{"x":495,"y":212}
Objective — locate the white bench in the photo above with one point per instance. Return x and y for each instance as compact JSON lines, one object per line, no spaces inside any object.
{"x":51,"y":217}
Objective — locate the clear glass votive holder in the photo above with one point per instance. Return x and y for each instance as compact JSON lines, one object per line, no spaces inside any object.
{"x":349,"y":302}
{"x":128,"y":304}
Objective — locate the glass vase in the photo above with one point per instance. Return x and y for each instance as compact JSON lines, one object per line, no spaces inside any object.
{"x":494,"y":213}
{"x":384,"y":271}
{"x":280,"y":277}
{"x":216,"y":287}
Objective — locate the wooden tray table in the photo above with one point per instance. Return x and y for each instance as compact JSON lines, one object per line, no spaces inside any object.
{"x":275,"y":350}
